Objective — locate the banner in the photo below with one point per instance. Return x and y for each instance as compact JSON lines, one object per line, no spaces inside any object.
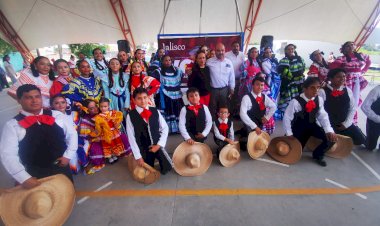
{"x":183,"y":47}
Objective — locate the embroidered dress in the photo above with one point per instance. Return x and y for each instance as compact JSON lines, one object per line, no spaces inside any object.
{"x":144,"y":66}
{"x":149,"y":83}
{"x":100,"y":69}
{"x":318,"y":71}
{"x":82,"y":88}
{"x":58,"y":84}
{"x":171,"y":96}
{"x":42,"y":81}
{"x":89,"y":148}
{"x":291,"y":70}
{"x":107,"y":129}
{"x":249,"y":72}
{"x":355,"y":69}
{"x":118,"y":95}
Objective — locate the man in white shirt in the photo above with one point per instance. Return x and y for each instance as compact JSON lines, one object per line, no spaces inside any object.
{"x":222,"y":77}
{"x":237,"y":58}
{"x":37,"y":143}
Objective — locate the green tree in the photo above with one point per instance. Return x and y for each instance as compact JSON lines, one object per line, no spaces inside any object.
{"x":6,"y":48}
{"x":86,"y":49}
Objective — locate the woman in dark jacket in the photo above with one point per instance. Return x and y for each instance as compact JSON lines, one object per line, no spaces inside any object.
{"x":200,"y":77}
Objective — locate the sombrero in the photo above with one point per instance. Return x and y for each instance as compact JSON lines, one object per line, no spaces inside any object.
{"x":341,"y":149}
{"x":257,"y":144}
{"x":50,"y":203}
{"x":230,"y":154}
{"x":192,"y":160}
{"x":145,"y":174}
{"x":284,"y":149}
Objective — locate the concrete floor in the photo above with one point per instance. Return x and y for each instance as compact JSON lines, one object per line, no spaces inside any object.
{"x":230,"y":208}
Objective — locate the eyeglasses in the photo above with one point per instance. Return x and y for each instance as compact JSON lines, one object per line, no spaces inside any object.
{"x":223,"y":113}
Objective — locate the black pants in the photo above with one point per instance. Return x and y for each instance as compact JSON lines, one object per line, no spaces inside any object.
{"x":221,"y":144}
{"x":219,"y":96}
{"x":373,"y":133}
{"x":355,"y":133}
{"x":303,"y":133}
{"x":41,"y":172}
{"x":165,"y":163}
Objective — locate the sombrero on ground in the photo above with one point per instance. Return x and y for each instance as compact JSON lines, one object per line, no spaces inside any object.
{"x":50,"y":203}
{"x":341,"y":149}
{"x":145,"y":174}
{"x":285,"y":149}
{"x":257,"y":144}
{"x":192,"y":160}
{"x":230,"y":155}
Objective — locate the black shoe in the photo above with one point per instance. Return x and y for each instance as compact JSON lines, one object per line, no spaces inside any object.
{"x":321,"y":162}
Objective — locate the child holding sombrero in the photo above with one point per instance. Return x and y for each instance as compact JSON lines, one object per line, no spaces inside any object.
{"x":223,"y":129}
{"x":301,"y":116}
{"x":147,"y":132}
{"x":253,"y":108}
{"x":339,"y":103}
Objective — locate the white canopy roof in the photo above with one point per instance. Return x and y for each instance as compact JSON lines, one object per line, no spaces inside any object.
{"x":42,"y":23}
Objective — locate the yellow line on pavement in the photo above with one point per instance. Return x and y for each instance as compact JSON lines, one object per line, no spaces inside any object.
{"x":227,"y":192}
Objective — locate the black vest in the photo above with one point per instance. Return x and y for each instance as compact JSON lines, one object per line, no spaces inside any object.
{"x":217,"y":123}
{"x":376,"y":106}
{"x":141,"y":129}
{"x":195,"y":124}
{"x":255,"y":114}
{"x":337,"y":107}
{"x":303,"y":118}
{"x":42,"y":144}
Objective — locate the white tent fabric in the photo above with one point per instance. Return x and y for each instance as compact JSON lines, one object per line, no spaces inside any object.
{"x":42,"y":23}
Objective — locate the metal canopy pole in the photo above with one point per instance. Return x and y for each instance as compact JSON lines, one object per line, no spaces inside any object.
{"x":123,"y":21}
{"x":14,"y":39}
{"x":368,"y":27}
{"x":238,"y":13}
{"x":250,"y":24}
{"x":163,"y":19}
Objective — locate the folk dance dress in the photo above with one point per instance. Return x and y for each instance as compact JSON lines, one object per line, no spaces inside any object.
{"x":99,"y":68}
{"x":320,"y":71}
{"x":291,"y":70}
{"x":149,"y":83}
{"x":118,"y":95}
{"x":171,"y":96}
{"x":107,"y":129}
{"x":58,"y":84}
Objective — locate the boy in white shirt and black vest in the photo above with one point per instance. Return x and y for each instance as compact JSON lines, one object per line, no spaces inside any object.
{"x":223,"y":129}
{"x":194,"y":119}
{"x":147,"y":133}
{"x":37,"y":143}
{"x":253,"y":109}
{"x":340,"y":106}
{"x":301,"y":117}
{"x":371,"y":108}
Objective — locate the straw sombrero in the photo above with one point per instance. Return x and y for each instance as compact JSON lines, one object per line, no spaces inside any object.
{"x":192,"y":160}
{"x":145,"y":174}
{"x":230,"y":154}
{"x":50,"y":203}
{"x":341,"y":149}
{"x":284,"y":149}
{"x":257,"y":144}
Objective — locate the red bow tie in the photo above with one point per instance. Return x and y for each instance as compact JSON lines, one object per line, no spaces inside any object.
{"x":260,"y":102}
{"x":195,"y":108}
{"x":145,"y":114}
{"x":28,"y":121}
{"x":310,"y":105}
{"x":336,"y":93}
{"x":223,"y":127}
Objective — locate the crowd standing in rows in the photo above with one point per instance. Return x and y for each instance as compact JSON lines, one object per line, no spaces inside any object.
{"x":97,"y":111}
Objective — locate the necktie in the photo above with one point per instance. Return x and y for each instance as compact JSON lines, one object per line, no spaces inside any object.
{"x":195,"y":108}
{"x":260,"y":102}
{"x":223,"y":127}
{"x":336,"y":93}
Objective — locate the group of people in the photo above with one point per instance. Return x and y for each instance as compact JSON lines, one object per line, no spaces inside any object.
{"x":127,"y":106}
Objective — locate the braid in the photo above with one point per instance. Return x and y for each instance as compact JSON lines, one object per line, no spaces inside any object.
{"x":121,"y":79}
